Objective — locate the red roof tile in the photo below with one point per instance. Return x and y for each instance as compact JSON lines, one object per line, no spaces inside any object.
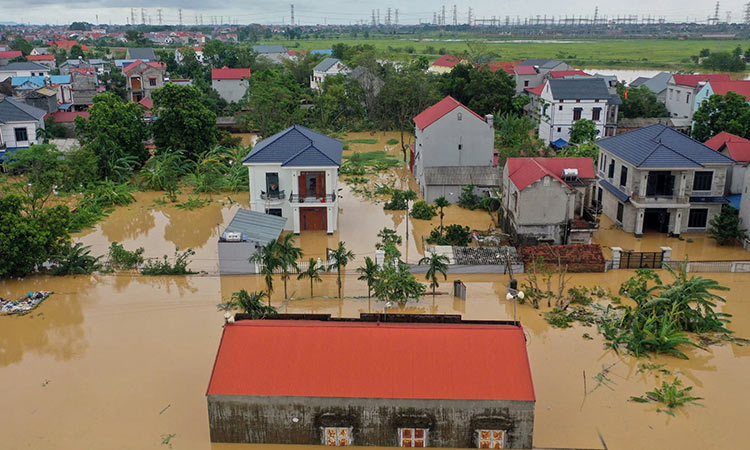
{"x":741,"y":87}
{"x":525,"y":70}
{"x":438,"y":110}
{"x":507,"y":66}
{"x":372,"y":360}
{"x":694,"y":79}
{"x":447,"y":61}
{"x":10,"y":54}
{"x":537,"y":90}
{"x":226,"y":73}
{"x":67,"y":45}
{"x":68,"y":116}
{"x":41,"y":57}
{"x":567,"y":73}
{"x":737,"y":147}
{"x":134,"y":64}
{"x":526,"y":171}
{"x":147,"y":103}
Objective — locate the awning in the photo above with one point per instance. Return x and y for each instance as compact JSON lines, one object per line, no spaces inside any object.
{"x":621,"y":196}
{"x":256,"y":226}
{"x":560,"y":143}
{"x":64,"y":106}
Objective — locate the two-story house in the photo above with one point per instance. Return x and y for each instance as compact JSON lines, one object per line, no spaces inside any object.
{"x":326,"y":68}
{"x":531,"y":73}
{"x":659,"y":179}
{"x":546,"y":200}
{"x":681,"y":92}
{"x":19,"y":123}
{"x":231,"y":84}
{"x":142,"y":78}
{"x":558,"y":103}
{"x":453,"y":147}
{"x":294,"y":174}
{"x":737,"y":148}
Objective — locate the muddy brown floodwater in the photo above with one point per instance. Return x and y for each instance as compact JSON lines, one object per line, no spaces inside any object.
{"x":123,"y":361}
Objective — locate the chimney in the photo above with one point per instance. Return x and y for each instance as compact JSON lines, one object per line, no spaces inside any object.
{"x":490,"y":120}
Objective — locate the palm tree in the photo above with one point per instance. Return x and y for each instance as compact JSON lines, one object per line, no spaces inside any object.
{"x":288,"y":255}
{"x":368,"y":273}
{"x":313,"y":273}
{"x":341,"y":257}
{"x":441,"y":202}
{"x":438,"y":264}
{"x":250,"y":303}
{"x":265,"y":257}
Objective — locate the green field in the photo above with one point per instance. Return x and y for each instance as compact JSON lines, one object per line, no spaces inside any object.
{"x":623,"y":53}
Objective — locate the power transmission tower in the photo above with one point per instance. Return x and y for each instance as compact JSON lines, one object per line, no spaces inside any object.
{"x":455,"y":16}
{"x":442,"y":16}
{"x":158,"y":14}
{"x":378,"y":11}
{"x":396,"y":16}
{"x":143,"y":16}
{"x":596,"y":14}
{"x":292,"y":14}
{"x":373,"y":18}
{"x":747,"y":13}
{"x":434,"y":18}
{"x":132,"y":16}
{"x":715,"y":18}
{"x":180,"y":14}
{"x":388,"y":17}
{"x":470,"y":16}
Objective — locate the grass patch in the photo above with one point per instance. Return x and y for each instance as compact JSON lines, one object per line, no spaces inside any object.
{"x":363,"y":141}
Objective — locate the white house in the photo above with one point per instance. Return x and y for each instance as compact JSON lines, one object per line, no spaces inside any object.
{"x":681,"y":92}
{"x":325,"y":68}
{"x":19,"y":123}
{"x":558,"y":103}
{"x":231,"y":84}
{"x":23,"y":69}
{"x":453,"y":147}
{"x":294,"y":174}
{"x":740,"y":87}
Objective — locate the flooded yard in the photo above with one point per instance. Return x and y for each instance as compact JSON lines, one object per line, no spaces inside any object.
{"x":123,"y":360}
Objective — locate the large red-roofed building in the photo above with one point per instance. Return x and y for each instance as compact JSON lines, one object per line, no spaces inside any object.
{"x":432,"y":381}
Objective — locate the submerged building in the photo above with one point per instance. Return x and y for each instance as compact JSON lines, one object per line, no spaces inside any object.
{"x":373,"y":381}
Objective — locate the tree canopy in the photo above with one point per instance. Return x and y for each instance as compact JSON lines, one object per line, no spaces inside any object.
{"x":640,"y":102}
{"x":273,"y":101}
{"x":480,"y":89}
{"x":583,"y":130}
{"x":730,"y":113}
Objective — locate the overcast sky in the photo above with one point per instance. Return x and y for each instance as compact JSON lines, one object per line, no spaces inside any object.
{"x":343,"y":12}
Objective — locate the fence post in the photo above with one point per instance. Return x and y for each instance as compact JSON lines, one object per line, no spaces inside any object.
{"x":666,"y":255}
{"x":616,"y":257}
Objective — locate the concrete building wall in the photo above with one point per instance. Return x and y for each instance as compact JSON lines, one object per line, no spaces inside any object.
{"x":680,"y":100}
{"x":373,"y":422}
{"x":8,"y":134}
{"x":736,"y":178}
{"x":230,"y":90}
{"x":745,"y":201}
{"x":83,"y":88}
{"x":234,"y":258}
{"x":556,"y":116}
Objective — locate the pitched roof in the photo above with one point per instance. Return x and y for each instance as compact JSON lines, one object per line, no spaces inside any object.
{"x":40,"y":57}
{"x":741,"y":87}
{"x":507,"y":66}
{"x":262,"y":48}
{"x":326,"y":64}
{"x":660,"y":146}
{"x":737,"y":147}
{"x":256,"y":226}
{"x":438,"y":110}
{"x":567,"y":73}
{"x":536,"y":90}
{"x":10,"y":54}
{"x":147,"y":103}
{"x":24,"y":65}
{"x":694,"y":79}
{"x":542,"y":63}
{"x":526,"y":171}
{"x":524,"y":70}
{"x":142,"y":53}
{"x":372,"y":360}
{"x":658,"y":82}
{"x":136,"y":63}
{"x":579,"y":89}
{"x":463,"y":175}
{"x":297,"y":146}
{"x":12,"y":110}
{"x":638,"y":81}
{"x":226,"y":73}
{"x":446,"y":61}
{"x":69,"y":116}
{"x":67,"y":45}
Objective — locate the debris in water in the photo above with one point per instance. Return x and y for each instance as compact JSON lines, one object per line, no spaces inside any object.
{"x":23,"y":305}
{"x":166,"y":439}
{"x":165,"y":408}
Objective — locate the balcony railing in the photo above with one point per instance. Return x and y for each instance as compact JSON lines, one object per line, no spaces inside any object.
{"x":279,"y":195}
{"x":327,"y":198}
{"x":661,"y":198}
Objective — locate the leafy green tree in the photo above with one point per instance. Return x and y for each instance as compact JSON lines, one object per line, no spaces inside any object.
{"x":76,"y":51}
{"x":725,"y":228}
{"x":80,"y":169}
{"x":437,"y":265}
{"x":640,"y":102}
{"x":339,"y":104}
{"x":267,"y":258}
{"x":441,"y":203}
{"x":250,"y":303}
{"x":287,"y":255}
{"x":368,"y":273}
{"x":730,"y":113}
{"x":395,"y":283}
{"x":301,"y":67}
{"x":114,"y":81}
{"x":340,"y":256}
{"x":273,"y":101}
{"x":41,"y":168}
{"x":480,"y":89}
{"x":725,"y":62}
{"x":185,"y":123}
{"x":20,"y":43}
{"x":514,"y":136}
{"x":75,"y":260}
{"x":136,"y":39}
{"x":389,"y":240}
{"x":114,"y":130}
{"x":312,"y":272}
{"x":583,"y":130}
{"x":584,"y":149}
{"x":163,"y":171}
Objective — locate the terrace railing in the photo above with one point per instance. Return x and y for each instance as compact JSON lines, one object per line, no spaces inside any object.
{"x":327,"y":198}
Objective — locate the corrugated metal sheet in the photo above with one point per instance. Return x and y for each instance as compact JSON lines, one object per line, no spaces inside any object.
{"x":258,"y":227}
{"x":463,"y":175}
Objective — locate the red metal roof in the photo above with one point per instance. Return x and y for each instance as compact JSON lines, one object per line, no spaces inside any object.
{"x":447,"y":61}
{"x":10,"y":54}
{"x":147,"y":103}
{"x":694,"y":79}
{"x":737,"y":147}
{"x":299,"y":358}
{"x":526,"y":171}
{"x":525,"y":70}
{"x":226,"y":73}
{"x":507,"y":66}
{"x":67,"y":45}
{"x":438,"y":110}
{"x":68,"y":116}
{"x":134,"y":64}
{"x":537,"y":90}
{"x":567,"y":73}
{"x":40,"y":57}
{"x":741,"y":87}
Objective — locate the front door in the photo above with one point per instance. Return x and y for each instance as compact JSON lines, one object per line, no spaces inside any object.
{"x":312,"y":184}
{"x":313,"y":219}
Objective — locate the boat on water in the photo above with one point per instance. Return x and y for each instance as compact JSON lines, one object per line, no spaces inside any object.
{"x":24,"y":304}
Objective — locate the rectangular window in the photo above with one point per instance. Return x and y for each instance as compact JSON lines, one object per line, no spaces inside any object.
{"x":620,"y":211}
{"x":698,"y":218}
{"x":611,"y":173}
{"x":559,"y":108}
{"x":152,"y":81}
{"x":603,"y":163}
{"x":526,"y":83}
{"x":670,"y":93}
{"x":274,"y":212}
{"x":460,"y":146}
{"x":596,"y":101}
{"x":21,"y":134}
{"x":687,"y":98}
{"x":577,"y":113}
{"x":272,"y":184}
{"x":623,"y":176}
{"x":578,"y":101}
{"x":337,"y":436}
{"x":702,"y":181}
{"x":412,"y":437}
{"x":490,"y":438}
{"x":596,"y":113}
{"x":559,"y":130}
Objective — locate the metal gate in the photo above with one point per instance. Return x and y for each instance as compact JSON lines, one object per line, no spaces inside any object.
{"x":641,"y":260}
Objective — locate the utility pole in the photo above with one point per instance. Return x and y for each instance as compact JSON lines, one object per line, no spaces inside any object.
{"x":158,"y":14}
{"x":715,"y":18}
{"x":292,"y":14}
{"x":132,"y":16}
{"x":455,"y":16}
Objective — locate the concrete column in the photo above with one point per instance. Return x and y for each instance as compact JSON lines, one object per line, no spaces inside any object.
{"x":330,"y":220}
{"x":616,"y":257}
{"x":677,"y":223}
{"x":639,"y":222}
{"x":683,"y":183}
{"x":666,"y":253}
{"x":295,"y":220}
{"x":644,"y":184}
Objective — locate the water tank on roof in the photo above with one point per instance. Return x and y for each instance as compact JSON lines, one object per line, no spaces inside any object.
{"x":570,"y":173}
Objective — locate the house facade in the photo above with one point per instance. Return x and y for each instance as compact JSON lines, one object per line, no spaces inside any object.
{"x":143,"y":78}
{"x":274,"y":53}
{"x":445,"y":64}
{"x":738,"y":149}
{"x":547,"y":200}
{"x":45,"y":60}
{"x":370,"y":394}
{"x":558,"y":103}
{"x":19,"y":123}
{"x":23,"y":69}
{"x":231,"y":84}
{"x":741,"y":87}
{"x":449,"y":136}
{"x":681,"y":92}
{"x":658,"y":179}
{"x":531,"y":73}
{"x":294,"y":174}
{"x":325,"y":68}
{"x":656,"y":84}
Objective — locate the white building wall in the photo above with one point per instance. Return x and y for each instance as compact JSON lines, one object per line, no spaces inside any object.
{"x":558,"y":120}
{"x":681,"y":100}
{"x":8,"y":134}
{"x":230,"y":90}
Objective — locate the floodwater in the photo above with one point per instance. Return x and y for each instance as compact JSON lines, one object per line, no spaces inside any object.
{"x":123,"y":360}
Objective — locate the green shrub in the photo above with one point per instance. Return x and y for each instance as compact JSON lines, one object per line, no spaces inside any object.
{"x":399,"y":200}
{"x":468,"y":199}
{"x":122,"y":259}
{"x":454,"y":234}
{"x":164,"y":267}
{"x":392,"y":141}
{"x":423,"y":210}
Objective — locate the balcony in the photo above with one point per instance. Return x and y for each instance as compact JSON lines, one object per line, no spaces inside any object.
{"x":312,"y":199}
{"x":279,"y":195}
{"x":661,"y":200}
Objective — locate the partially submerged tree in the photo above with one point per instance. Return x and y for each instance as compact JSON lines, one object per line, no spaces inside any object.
{"x":287,"y":255}
{"x":725,"y":228}
{"x":441,"y":202}
{"x":312,"y":272}
{"x":368,"y":273}
{"x":268,"y":261}
{"x":437,"y":265}
{"x":340,"y":256}
{"x":250,"y":303}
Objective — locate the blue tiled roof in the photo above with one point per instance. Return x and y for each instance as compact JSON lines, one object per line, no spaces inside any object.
{"x":623,"y":197}
{"x":661,"y":146}
{"x":39,"y":81}
{"x":297,"y":146}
